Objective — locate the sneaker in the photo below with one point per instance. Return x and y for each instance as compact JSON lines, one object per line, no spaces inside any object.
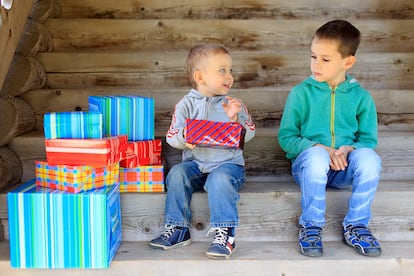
{"x":223,"y":244}
{"x":172,"y":237}
{"x":360,"y":238}
{"x":310,"y":241}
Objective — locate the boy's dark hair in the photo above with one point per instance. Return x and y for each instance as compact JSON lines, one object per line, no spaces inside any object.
{"x":199,"y":52}
{"x":346,"y":34}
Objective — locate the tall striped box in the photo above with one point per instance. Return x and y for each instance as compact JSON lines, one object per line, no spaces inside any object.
{"x":130,"y":115}
{"x":215,"y":134}
{"x":54,"y":229}
{"x":75,"y":179}
{"x":142,"y":179}
{"x":73,"y":125}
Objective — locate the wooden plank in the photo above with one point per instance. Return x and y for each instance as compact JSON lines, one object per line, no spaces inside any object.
{"x":219,"y":9}
{"x":264,"y":158}
{"x":143,"y":213}
{"x":378,"y":35}
{"x":157,"y":70}
{"x":259,"y":258}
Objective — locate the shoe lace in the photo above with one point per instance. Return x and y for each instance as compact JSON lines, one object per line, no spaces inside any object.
{"x":168,"y":231}
{"x":221,"y":235}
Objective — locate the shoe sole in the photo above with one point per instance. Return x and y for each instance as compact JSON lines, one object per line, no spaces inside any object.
{"x":166,"y":247}
{"x":218,"y":256}
{"x":311,"y":253}
{"x":361,"y":251}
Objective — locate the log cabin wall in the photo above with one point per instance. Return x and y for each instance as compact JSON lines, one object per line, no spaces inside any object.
{"x":76,"y":48}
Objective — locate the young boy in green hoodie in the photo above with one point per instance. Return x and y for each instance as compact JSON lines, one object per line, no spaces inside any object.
{"x":329,"y":131}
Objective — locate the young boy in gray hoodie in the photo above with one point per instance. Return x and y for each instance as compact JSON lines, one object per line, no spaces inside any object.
{"x":218,"y":171}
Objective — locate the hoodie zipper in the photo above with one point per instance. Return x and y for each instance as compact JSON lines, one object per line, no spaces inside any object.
{"x":333,"y":117}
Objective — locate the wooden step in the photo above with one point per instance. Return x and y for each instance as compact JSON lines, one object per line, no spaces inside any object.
{"x":250,"y":258}
{"x":263,"y":155}
{"x":268,"y":212}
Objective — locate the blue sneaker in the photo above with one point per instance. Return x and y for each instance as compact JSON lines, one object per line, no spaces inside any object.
{"x":360,"y":238}
{"x":223,"y":244}
{"x":172,"y":237}
{"x":310,"y":240}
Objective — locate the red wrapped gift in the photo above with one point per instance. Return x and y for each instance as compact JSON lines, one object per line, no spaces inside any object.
{"x":215,"y":134}
{"x":143,"y":153}
{"x":93,"y":152}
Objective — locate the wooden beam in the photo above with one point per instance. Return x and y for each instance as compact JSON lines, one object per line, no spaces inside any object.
{"x":11,"y":29}
{"x":158,"y":70}
{"x":245,"y":9}
{"x":378,"y":35}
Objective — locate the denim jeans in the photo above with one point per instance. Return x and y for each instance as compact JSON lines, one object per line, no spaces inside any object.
{"x":222,"y":186}
{"x":311,"y":171}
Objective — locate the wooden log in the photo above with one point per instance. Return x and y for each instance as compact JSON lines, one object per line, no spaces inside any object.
{"x":45,"y":9}
{"x":12,"y":26}
{"x":25,"y":73}
{"x":395,"y":107}
{"x":382,"y":35}
{"x":245,"y":9}
{"x":164,"y":70}
{"x":10,"y":168}
{"x":36,"y":38}
{"x":17,"y":117}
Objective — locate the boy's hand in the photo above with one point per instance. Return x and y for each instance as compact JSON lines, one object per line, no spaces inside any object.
{"x":190,"y":146}
{"x":232,"y":108}
{"x":339,"y":157}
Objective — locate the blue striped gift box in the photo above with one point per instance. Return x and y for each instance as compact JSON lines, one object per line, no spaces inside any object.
{"x":131,"y":115}
{"x":77,"y":124}
{"x":55,"y":229}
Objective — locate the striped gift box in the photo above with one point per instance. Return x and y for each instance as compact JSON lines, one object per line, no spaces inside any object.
{"x":55,"y":229}
{"x":143,"y":153}
{"x":93,"y":152}
{"x":215,"y":134}
{"x":142,"y":179}
{"x":72,"y":125}
{"x":131,"y":115}
{"x":75,"y":179}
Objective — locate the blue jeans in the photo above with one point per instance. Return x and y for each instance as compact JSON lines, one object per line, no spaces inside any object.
{"x":311,"y":171}
{"x":222,"y":186}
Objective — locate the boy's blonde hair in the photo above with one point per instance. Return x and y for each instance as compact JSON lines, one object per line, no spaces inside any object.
{"x":198,"y":53}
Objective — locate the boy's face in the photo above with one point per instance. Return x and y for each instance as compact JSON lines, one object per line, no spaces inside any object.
{"x":215,"y":75}
{"x":327,"y":64}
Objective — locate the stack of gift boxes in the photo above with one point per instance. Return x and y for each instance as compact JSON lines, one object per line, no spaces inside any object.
{"x":69,"y":216}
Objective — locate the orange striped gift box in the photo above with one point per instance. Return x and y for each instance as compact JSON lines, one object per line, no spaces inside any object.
{"x":75,"y":179}
{"x":143,"y":179}
{"x":215,"y":134}
{"x":94,"y":152}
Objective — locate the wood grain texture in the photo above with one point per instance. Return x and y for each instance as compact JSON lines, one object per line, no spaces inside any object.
{"x":244,"y":9}
{"x":135,"y":35}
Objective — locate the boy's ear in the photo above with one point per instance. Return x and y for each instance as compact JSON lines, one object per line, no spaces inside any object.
{"x":198,"y":77}
{"x":349,"y":62}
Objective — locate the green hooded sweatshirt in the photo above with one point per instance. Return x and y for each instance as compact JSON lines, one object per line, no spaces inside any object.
{"x":314,"y":113}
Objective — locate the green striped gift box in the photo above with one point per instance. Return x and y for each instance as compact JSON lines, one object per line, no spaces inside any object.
{"x":56,"y":229}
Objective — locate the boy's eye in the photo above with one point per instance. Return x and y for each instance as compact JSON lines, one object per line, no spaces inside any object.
{"x":313,"y":57}
{"x":325,"y":60}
